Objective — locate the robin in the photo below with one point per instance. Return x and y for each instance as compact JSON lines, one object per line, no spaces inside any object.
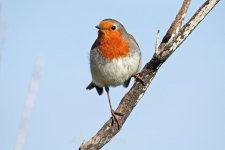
{"x":115,"y":57}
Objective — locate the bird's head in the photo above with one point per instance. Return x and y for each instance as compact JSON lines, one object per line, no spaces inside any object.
{"x":112,"y":39}
{"x":111,"y":27}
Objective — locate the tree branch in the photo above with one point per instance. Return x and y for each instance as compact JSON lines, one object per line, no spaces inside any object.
{"x":168,"y":48}
{"x":177,"y":23}
{"x":171,"y":41}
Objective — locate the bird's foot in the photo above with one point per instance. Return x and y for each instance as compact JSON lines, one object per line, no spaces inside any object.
{"x":114,"y":118}
{"x":138,"y":78}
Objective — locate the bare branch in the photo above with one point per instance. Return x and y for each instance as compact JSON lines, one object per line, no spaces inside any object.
{"x":130,"y":100}
{"x":187,"y":29}
{"x":28,"y":106}
{"x":3,"y":33}
{"x":177,"y":23}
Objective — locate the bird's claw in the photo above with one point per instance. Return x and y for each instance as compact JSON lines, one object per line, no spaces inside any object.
{"x":137,"y":77}
{"x":114,"y":118}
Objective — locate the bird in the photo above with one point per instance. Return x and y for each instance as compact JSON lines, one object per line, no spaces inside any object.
{"x":115,"y":57}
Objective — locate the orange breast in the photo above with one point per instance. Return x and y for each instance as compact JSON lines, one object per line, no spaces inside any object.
{"x":112,"y":45}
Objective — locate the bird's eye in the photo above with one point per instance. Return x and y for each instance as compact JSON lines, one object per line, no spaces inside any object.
{"x":113,"y":27}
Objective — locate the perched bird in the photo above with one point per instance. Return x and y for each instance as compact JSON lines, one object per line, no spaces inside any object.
{"x":115,"y":57}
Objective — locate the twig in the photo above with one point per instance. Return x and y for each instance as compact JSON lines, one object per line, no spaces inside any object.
{"x":28,"y":106}
{"x":129,"y":101}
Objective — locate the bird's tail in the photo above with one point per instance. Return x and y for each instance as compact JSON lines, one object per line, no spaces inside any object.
{"x":98,"y":89}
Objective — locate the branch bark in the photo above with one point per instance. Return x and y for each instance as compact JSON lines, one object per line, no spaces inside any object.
{"x":171,"y":41}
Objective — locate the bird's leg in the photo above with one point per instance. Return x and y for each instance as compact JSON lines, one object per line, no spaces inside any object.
{"x":114,"y":113}
{"x":137,"y":77}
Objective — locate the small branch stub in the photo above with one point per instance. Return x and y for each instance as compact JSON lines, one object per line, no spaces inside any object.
{"x":157,"y":43}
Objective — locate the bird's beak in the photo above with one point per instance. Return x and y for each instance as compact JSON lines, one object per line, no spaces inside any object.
{"x":98,"y":27}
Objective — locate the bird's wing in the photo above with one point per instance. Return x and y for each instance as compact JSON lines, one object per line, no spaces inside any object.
{"x":133,"y":39}
{"x":95,"y":44}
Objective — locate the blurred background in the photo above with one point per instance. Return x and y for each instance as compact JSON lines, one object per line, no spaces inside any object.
{"x":184,"y":108}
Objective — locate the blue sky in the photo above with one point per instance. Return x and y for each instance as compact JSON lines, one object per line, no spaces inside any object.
{"x":182,"y":109}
